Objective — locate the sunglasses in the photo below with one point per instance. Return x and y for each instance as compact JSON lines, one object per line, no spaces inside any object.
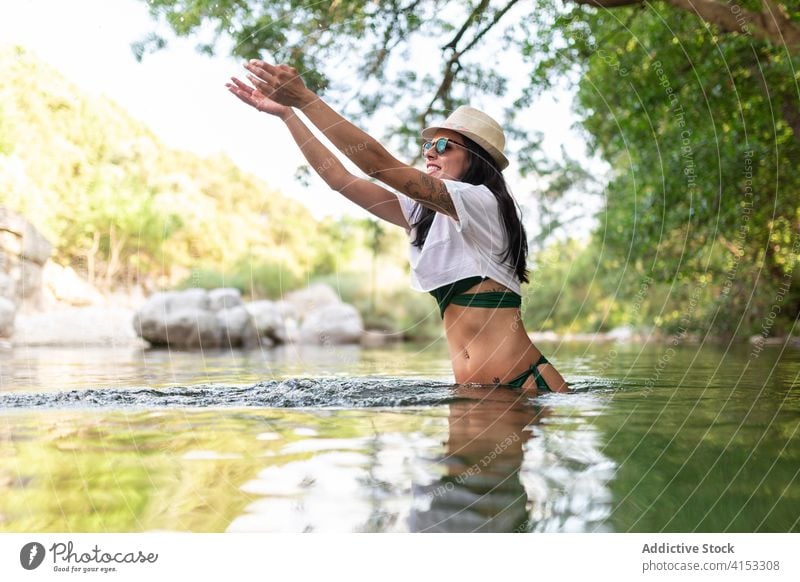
{"x":440,"y":145}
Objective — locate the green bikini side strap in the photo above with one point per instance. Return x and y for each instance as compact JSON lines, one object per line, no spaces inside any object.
{"x":541,"y":384}
{"x":488,"y":299}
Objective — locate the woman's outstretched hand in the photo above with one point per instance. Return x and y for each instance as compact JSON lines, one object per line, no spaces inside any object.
{"x":281,"y":83}
{"x":256,"y":99}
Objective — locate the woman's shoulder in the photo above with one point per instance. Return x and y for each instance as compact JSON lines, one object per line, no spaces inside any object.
{"x":466,"y":186}
{"x":470,"y":194}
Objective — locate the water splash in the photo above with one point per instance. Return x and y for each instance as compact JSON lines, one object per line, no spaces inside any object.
{"x":291,"y":393}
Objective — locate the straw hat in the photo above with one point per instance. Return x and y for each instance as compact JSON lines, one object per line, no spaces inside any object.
{"x":478,"y":127}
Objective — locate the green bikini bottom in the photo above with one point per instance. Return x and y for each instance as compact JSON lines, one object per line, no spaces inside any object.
{"x":541,"y":384}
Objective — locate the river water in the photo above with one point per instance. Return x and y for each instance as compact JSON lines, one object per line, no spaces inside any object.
{"x":349,"y":439}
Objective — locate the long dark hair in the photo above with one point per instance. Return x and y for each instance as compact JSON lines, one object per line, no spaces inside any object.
{"x":483,"y":170}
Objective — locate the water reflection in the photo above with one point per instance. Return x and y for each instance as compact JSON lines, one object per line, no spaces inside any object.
{"x":710,"y":445}
{"x":481,"y":489}
{"x":490,"y":460}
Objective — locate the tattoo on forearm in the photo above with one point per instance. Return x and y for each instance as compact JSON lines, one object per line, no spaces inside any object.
{"x":432,"y":191}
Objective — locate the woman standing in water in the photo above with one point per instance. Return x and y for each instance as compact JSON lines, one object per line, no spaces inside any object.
{"x":468,"y":245}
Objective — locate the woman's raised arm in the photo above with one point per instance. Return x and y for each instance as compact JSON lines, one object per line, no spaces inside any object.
{"x":373,"y":198}
{"x":282,"y":84}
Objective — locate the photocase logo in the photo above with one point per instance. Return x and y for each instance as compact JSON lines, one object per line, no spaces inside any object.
{"x":31,"y":555}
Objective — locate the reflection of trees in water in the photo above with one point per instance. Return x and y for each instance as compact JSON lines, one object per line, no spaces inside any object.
{"x":500,"y":477}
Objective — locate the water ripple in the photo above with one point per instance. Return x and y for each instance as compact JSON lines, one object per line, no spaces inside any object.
{"x":293,"y":393}
{"x":363,"y":392}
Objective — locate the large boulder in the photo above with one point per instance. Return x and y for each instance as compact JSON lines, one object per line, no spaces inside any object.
{"x":195,"y":318}
{"x":224,"y":298}
{"x":315,"y":296}
{"x":267,"y":318}
{"x":29,"y":283}
{"x":338,"y":323}
{"x":274,"y":320}
{"x":22,"y":239}
{"x":23,"y":251}
{"x":238,"y":328}
{"x":8,"y":288}
{"x":189,"y":329}
{"x":286,"y":310}
{"x":8,"y":312}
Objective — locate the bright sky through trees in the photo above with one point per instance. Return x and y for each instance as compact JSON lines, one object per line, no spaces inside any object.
{"x":180,"y":94}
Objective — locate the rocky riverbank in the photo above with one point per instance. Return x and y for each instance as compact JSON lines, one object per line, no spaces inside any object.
{"x":45,"y":304}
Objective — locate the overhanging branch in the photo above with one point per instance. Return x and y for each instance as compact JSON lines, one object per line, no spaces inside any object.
{"x":772,"y":24}
{"x":453,"y":66}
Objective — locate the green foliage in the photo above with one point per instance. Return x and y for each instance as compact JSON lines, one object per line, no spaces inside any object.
{"x":701,"y":129}
{"x":361,"y":51}
{"x":392,"y":308}
{"x":701,"y":132}
{"x":264,"y":279}
{"x":569,"y":290}
{"x":121,"y":207}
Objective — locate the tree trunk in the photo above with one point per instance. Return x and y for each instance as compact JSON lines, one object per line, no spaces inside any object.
{"x":91,"y":254}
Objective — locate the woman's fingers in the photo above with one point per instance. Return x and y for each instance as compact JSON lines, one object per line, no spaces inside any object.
{"x":261,"y":85}
{"x":240,"y":88}
{"x":243,"y":95}
{"x":264,"y":66}
{"x":261,"y":72}
{"x":280,"y":83}
{"x":242,"y":85}
{"x":273,"y":75}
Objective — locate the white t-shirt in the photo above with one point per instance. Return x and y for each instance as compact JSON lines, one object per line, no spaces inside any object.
{"x":454,"y":250}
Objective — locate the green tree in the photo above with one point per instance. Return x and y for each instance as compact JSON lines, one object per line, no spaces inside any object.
{"x":122,"y":208}
{"x":700,"y":127}
{"x":692,"y":104}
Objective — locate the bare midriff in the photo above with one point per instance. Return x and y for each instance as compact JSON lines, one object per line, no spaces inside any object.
{"x":491,"y":346}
